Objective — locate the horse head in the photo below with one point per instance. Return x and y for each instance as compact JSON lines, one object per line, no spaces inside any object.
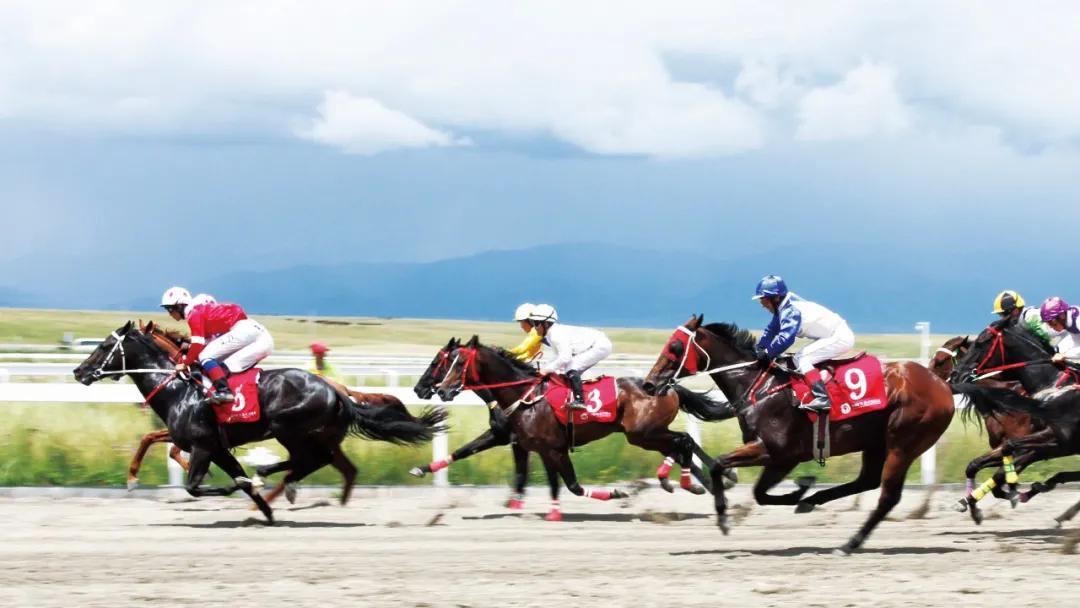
{"x":680,"y":357}
{"x":436,"y":370}
{"x":944,"y":360}
{"x":1003,"y":343}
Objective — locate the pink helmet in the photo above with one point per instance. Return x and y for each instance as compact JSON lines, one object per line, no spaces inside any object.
{"x":1053,"y":308}
{"x":318,"y":348}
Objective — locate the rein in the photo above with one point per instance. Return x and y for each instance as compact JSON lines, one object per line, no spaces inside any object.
{"x":980,"y":372}
{"x":692,"y":340}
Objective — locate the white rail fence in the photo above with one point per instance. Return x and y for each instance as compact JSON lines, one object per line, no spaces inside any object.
{"x":390,"y":367}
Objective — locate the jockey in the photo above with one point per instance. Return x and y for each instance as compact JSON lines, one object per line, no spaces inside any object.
{"x":529,"y":348}
{"x":576,"y":348}
{"x":203,"y":298}
{"x":322,"y":367}
{"x":223,"y":339}
{"x":1010,"y":305}
{"x":795,"y":317}
{"x":1062,"y":320}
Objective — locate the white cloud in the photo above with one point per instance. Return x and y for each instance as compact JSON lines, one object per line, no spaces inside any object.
{"x":361,"y":125}
{"x":863,"y":104}
{"x":584,"y":72}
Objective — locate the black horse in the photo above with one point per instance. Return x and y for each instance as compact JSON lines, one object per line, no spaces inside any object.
{"x":305,"y":414}
{"x":498,"y":434}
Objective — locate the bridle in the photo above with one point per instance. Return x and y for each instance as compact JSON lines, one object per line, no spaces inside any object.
{"x":691,"y":341}
{"x":468,"y":365}
{"x":118,"y":346}
{"x":997,"y":345}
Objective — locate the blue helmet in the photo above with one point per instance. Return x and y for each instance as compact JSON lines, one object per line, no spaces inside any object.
{"x":770,"y":285}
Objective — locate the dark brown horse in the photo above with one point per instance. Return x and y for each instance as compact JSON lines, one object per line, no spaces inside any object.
{"x":175,"y":343}
{"x":920,"y":408}
{"x":519,"y":391}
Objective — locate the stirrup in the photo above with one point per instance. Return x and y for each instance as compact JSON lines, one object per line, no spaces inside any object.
{"x":816,"y":406}
{"x":577,"y":405}
{"x":219,"y":398}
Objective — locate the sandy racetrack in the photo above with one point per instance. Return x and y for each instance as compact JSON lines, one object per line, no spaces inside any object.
{"x":657,"y":549}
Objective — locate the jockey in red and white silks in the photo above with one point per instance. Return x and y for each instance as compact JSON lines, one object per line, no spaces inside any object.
{"x":223,"y":339}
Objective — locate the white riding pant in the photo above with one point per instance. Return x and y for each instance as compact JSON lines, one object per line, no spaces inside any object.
{"x":589,"y":357}
{"x":247,"y":343}
{"x":1070,"y":346}
{"x":824,"y":349}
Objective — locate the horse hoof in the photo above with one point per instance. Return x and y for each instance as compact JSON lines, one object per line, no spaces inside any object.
{"x":961,"y":506}
{"x":515,"y":504}
{"x":721,"y":522}
{"x":553,"y":516}
{"x":843,"y":551}
{"x":666,"y":484}
{"x":1058,"y":523}
{"x":290,"y":493}
{"x":695,"y":489}
{"x":728,"y":483}
{"x":1024,"y":496}
{"x":804,"y":507}
{"x":616,"y":493}
{"x":416,"y":472}
{"x":976,"y":516}
{"x":132,"y":483}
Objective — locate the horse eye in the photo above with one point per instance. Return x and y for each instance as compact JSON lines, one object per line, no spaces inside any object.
{"x":676,"y":348}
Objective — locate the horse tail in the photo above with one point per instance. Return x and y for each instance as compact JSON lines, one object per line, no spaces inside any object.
{"x":701,"y":406}
{"x":392,"y":423}
{"x":991,"y":401}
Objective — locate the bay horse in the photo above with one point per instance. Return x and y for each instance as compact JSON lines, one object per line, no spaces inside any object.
{"x":175,"y":344}
{"x":1059,"y":408}
{"x":498,"y":434}
{"x":998,"y":427}
{"x":304,"y":413}
{"x":519,"y":390}
{"x":920,"y":408}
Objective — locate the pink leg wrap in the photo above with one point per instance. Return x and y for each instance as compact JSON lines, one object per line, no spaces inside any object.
{"x":516,"y":502}
{"x":685,"y":481}
{"x":665,"y":468}
{"x":598,"y":494}
{"x":439,"y":465}
{"x":555,"y":514}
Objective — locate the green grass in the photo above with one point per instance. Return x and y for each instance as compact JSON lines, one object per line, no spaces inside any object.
{"x":90,"y":445}
{"x":368,"y":335}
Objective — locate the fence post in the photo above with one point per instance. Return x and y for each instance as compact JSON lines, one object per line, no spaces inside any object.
{"x":392,"y":377}
{"x":693,"y":428}
{"x":440,"y":446}
{"x":928,"y":461}
{"x":176,"y":474}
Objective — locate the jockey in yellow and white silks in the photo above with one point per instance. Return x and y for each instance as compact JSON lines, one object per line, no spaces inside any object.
{"x":530,"y":347}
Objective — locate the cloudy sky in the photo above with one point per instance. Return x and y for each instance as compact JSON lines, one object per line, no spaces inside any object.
{"x":139,"y":136}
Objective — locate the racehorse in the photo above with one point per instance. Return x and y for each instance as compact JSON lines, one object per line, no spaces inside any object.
{"x":920,"y":408}
{"x":998,"y":427}
{"x":1059,"y":408}
{"x":299,"y":409}
{"x":175,"y":343}
{"x":1007,"y":351}
{"x":499,"y":433}
{"x":521,"y":392}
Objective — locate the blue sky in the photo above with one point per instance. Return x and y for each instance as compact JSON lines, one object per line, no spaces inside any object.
{"x":291,"y":133}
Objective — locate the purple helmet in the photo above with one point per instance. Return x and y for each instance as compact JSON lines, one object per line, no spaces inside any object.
{"x":1053,"y":308}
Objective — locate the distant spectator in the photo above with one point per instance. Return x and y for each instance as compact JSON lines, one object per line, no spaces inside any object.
{"x":322,"y":367}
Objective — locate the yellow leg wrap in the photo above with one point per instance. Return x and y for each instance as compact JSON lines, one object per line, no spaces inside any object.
{"x":1010,"y":470}
{"x":984,"y":489}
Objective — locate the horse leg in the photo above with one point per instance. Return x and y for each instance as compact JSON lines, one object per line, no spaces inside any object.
{"x":1052,"y":482}
{"x":674,"y":448}
{"x":228,"y":463}
{"x":347,"y":469}
{"x":200,"y":463}
{"x":897,"y":463}
{"x":772,"y":474}
{"x":148,"y":440}
{"x":521,"y":477}
{"x":560,"y":460}
{"x":486,"y":441}
{"x":747,"y":455}
{"x":869,"y":478}
{"x":1067,"y":515}
{"x":178,"y":455}
{"x":555,"y":514}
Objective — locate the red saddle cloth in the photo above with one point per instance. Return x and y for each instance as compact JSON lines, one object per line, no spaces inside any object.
{"x":245,"y":408}
{"x":601,"y":399}
{"x":856,"y":386}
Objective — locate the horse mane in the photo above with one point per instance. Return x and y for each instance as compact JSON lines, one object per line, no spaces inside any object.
{"x":175,"y":336}
{"x":510,"y":359}
{"x":740,"y":339}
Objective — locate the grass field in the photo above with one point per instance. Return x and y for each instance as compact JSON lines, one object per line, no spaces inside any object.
{"x":363,"y":334}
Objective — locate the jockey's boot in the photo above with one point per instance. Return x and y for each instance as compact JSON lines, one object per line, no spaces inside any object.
{"x":821,"y":403}
{"x":221,"y":393}
{"x":574,"y":377}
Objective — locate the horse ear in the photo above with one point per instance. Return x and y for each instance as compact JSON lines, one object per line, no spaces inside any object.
{"x":474,"y":341}
{"x":700,"y":318}
{"x":149,"y":328}
{"x":142,"y":327}
{"x":450,"y":343}
{"x":126,"y":328}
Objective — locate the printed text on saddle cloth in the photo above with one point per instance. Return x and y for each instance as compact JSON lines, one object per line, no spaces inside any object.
{"x":245,"y":408}
{"x":601,"y":397}
{"x":855,"y":388}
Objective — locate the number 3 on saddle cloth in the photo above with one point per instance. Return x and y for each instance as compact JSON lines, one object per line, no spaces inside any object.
{"x":601,"y":398}
{"x":856,"y":386}
{"x":245,"y":408}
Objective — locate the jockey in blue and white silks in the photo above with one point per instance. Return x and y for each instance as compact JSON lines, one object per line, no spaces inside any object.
{"x":794,"y":317}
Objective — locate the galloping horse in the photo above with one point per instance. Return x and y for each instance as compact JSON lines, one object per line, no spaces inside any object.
{"x":998,"y":428}
{"x":174,"y":343}
{"x":520,"y":392}
{"x":920,"y":408}
{"x":299,"y":409}
{"x":499,"y":433}
{"x":1007,"y":351}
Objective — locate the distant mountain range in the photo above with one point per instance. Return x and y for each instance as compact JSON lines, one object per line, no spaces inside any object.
{"x":877,"y":291}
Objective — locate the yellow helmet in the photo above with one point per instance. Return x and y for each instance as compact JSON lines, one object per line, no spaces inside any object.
{"x":1007,"y":301}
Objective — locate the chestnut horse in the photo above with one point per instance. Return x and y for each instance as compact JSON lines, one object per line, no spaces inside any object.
{"x":920,"y":408}
{"x":519,"y":391}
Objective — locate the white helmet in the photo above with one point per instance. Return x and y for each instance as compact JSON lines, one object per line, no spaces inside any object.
{"x":176,"y":296}
{"x":544,"y":312}
{"x":203,"y":298}
{"x":523,"y":312}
